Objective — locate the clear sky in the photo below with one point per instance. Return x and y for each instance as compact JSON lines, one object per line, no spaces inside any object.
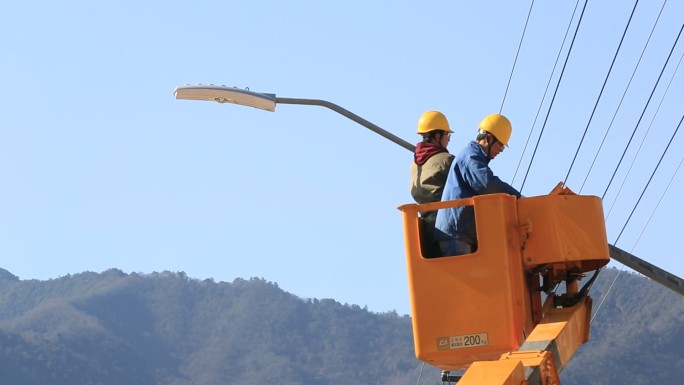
{"x":102,"y":168}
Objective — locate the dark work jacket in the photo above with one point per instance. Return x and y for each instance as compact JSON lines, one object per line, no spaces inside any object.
{"x":469,"y":176}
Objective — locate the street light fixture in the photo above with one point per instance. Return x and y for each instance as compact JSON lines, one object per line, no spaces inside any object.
{"x":225,"y":94}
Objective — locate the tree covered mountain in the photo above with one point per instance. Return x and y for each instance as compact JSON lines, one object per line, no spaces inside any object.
{"x":637,"y":334}
{"x":166,"y":328}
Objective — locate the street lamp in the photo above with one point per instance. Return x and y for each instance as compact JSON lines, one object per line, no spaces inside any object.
{"x":224,"y":94}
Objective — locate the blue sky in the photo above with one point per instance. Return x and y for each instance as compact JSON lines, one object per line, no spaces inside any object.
{"x":103,"y":168}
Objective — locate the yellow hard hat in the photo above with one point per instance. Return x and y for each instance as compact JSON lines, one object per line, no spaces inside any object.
{"x":499,"y":126}
{"x":432,"y":121}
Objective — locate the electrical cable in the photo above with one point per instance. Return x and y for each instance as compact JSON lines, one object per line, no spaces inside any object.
{"x":516,"y":57}
{"x":605,"y":296}
{"x":644,"y":138}
{"x":630,"y":216}
{"x":605,"y":135}
{"x":572,"y":43}
{"x":642,"y":113}
{"x":649,"y":179}
{"x":603,"y":87}
{"x":541,"y":103}
{"x":657,"y":204}
{"x":610,"y":288}
{"x":421,"y":372}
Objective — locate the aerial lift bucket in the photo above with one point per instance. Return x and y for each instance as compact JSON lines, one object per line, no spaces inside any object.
{"x":478,"y":306}
{"x":470,"y":307}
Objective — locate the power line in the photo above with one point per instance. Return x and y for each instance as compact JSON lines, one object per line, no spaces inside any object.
{"x":661,"y":157}
{"x":516,"y":57}
{"x":644,"y":138}
{"x":605,"y":81}
{"x":605,"y":135}
{"x":572,"y":43}
{"x":541,"y":103}
{"x":649,"y":179}
{"x":642,"y":113}
{"x":658,"y":204}
{"x":610,"y":288}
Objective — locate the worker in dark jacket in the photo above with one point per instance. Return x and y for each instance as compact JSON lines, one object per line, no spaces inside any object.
{"x":431,"y":161}
{"x":429,"y":169}
{"x":469,"y":176}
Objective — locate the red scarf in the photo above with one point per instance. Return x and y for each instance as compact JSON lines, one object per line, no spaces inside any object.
{"x":425,"y":151}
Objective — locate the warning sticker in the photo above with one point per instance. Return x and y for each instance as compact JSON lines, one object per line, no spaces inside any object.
{"x":464,"y":341}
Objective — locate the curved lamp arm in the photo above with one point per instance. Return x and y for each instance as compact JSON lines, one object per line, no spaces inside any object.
{"x":264,"y":101}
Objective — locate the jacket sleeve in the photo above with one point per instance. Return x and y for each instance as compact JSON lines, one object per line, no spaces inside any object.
{"x":483,"y":181}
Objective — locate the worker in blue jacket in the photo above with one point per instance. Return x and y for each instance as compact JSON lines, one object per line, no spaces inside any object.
{"x":470,"y":175}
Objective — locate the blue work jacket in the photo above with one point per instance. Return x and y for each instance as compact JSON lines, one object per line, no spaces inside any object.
{"x":469,"y":175}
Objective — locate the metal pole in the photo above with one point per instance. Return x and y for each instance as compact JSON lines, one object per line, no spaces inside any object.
{"x":657,"y":274}
{"x":350,"y":115}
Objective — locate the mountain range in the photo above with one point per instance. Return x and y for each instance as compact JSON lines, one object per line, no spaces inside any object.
{"x":167,"y":328}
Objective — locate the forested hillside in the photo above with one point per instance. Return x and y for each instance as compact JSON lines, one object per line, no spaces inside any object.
{"x":166,"y":328}
{"x":637,"y":337}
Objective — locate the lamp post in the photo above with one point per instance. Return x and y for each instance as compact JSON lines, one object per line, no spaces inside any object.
{"x":224,"y":94}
